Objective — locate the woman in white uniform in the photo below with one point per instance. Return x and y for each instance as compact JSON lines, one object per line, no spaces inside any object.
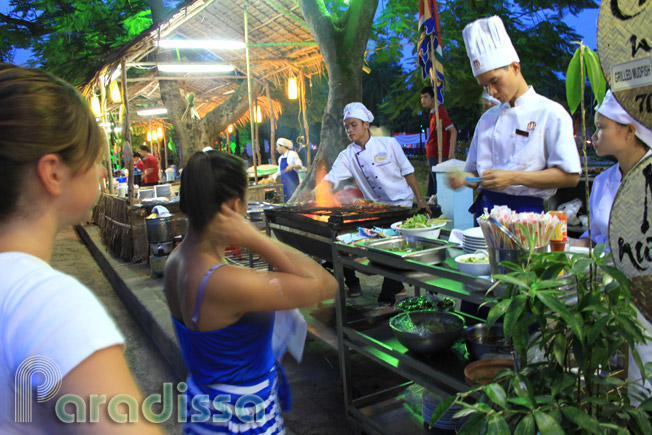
{"x":288,"y":165}
{"x":620,"y":135}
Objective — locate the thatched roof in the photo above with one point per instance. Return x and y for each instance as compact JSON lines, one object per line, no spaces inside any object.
{"x":277,"y":22}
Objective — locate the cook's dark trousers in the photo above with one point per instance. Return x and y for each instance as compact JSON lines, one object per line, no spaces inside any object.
{"x":350,"y":279}
{"x":488,"y":199}
{"x":388,"y":291}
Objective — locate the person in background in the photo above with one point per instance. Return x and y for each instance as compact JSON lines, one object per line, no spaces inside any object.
{"x":448,"y":135}
{"x":138,"y":163}
{"x":288,"y":165}
{"x":381,"y":170}
{"x":523,"y":149}
{"x":618,"y":134}
{"x":51,"y":326}
{"x":222,"y":314}
{"x":150,"y":174}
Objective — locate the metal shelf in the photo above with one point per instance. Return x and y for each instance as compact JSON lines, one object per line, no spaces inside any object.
{"x":372,"y":338}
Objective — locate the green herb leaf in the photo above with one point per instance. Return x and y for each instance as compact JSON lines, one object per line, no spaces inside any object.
{"x":581,"y":419}
{"x":574,"y":82}
{"x":559,"y":349}
{"x":444,"y":405}
{"x":525,"y":426}
{"x":497,"y":311}
{"x":523,"y":389}
{"x":514,"y":313}
{"x":474,"y":425}
{"x":496,"y":394}
{"x":594,"y":72}
{"x":546,"y":424}
{"x":497,"y":425}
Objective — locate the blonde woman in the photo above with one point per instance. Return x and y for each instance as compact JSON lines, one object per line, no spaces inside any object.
{"x":50,"y":324}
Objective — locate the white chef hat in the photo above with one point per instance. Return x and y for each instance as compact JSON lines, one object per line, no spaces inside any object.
{"x":287,"y":143}
{"x":358,"y":111}
{"x":612,"y":109}
{"x":488,"y":45}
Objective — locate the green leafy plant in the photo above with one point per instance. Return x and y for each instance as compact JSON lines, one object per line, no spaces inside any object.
{"x":568,"y":376}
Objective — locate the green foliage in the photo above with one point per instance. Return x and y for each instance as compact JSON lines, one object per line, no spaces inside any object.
{"x":565,"y":380}
{"x":574,"y":77}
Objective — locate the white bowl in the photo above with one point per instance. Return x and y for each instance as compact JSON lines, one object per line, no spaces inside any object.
{"x":476,"y":269}
{"x":431,"y":232}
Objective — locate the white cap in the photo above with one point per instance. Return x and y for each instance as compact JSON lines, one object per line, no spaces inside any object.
{"x":287,"y":143}
{"x":358,"y":111}
{"x":612,"y":109}
{"x":206,"y":149}
{"x":488,"y":45}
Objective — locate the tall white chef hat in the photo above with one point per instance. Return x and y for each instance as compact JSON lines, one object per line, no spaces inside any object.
{"x":287,"y":143}
{"x":488,"y":45}
{"x":612,"y":109}
{"x":358,"y":111}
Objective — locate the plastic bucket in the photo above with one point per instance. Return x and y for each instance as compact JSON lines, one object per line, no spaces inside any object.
{"x":518,"y":256}
{"x":454,"y":203}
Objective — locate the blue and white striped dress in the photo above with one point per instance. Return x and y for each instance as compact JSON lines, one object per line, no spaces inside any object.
{"x":234,"y":386}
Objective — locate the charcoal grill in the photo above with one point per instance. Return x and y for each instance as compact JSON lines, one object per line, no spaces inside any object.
{"x":312,"y":230}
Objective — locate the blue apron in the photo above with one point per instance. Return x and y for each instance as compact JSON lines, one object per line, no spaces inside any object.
{"x":488,"y":198}
{"x":290,"y":179}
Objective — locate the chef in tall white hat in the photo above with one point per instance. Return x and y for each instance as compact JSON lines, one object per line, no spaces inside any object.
{"x":289,"y":163}
{"x":522,"y":149}
{"x":380,"y":168}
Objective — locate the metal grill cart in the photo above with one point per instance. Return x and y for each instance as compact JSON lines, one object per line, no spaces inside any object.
{"x":384,"y":412}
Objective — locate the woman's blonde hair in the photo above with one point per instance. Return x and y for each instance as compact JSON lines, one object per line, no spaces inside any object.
{"x":41,"y":114}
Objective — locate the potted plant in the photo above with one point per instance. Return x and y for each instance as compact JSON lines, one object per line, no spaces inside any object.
{"x":565,"y":380}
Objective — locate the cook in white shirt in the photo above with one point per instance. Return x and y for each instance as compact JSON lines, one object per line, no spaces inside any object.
{"x":524,"y":148}
{"x":377,"y":164}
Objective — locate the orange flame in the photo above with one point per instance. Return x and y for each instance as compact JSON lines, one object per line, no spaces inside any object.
{"x":323,"y":195}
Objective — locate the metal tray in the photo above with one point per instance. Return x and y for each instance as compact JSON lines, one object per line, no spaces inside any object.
{"x":394,"y":249}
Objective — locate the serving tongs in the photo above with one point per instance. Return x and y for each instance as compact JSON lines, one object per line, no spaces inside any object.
{"x":507,"y":232}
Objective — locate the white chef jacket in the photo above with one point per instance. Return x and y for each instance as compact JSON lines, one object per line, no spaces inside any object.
{"x":603,"y":192}
{"x":292,"y":159}
{"x":379,"y":169}
{"x":545,"y":141}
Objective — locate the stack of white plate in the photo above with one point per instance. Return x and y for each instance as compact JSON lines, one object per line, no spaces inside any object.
{"x":472,"y":240}
{"x":163,"y":190}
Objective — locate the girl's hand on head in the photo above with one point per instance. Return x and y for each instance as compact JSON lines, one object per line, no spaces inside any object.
{"x":231,"y":228}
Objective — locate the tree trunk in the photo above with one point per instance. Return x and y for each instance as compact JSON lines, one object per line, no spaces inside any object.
{"x":342,"y":44}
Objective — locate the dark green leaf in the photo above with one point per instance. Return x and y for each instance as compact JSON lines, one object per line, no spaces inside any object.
{"x":561,"y":383}
{"x":513,"y":313}
{"x":523,"y":389}
{"x":512,"y":280}
{"x":520,"y":401}
{"x":464,"y":412}
{"x":581,"y":419}
{"x":642,"y":420}
{"x":546,"y":424}
{"x":444,"y":405}
{"x":574,"y":82}
{"x":646,"y":405}
{"x":525,"y":426}
{"x":496,"y":394}
{"x":473,"y":426}
{"x":559,"y":349}
{"x":497,"y":311}
{"x":630,"y":327}
{"x":497,"y":425}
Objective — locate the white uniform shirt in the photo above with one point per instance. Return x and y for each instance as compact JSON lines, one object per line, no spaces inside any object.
{"x":379,"y":169}
{"x":292,"y":159}
{"x":603,"y":192}
{"x":602,"y":197}
{"x":545,"y":141}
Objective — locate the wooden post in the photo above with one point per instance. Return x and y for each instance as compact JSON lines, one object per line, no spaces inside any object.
{"x":272,"y":125}
{"x":306,"y":126}
{"x":252,"y":115}
{"x":126,"y":132}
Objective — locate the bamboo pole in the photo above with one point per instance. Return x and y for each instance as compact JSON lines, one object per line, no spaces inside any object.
{"x":108,"y":145}
{"x":252,"y":115}
{"x":126,"y":133}
{"x":272,"y":125}
{"x":306,"y":126}
{"x":165,"y":148}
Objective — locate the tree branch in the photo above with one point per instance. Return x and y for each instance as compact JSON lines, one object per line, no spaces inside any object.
{"x":34,"y":28}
